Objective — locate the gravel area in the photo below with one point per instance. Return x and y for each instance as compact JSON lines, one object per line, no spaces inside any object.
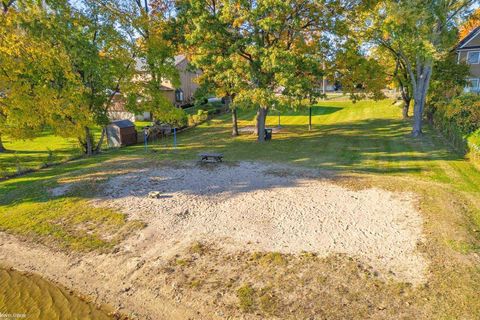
{"x":254,"y":206}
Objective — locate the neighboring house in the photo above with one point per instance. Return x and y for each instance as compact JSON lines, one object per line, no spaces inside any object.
{"x":178,"y":96}
{"x":468,"y":51}
{"x":184,"y":94}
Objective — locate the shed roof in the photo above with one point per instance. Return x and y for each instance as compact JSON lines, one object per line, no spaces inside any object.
{"x":122,"y":123}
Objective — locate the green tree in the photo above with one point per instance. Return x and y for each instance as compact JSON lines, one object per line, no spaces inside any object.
{"x":397,"y":76}
{"x":360,"y":73}
{"x":103,"y":58}
{"x":417,"y":33}
{"x":269,"y":45}
{"x":38,"y":86}
{"x":156,"y":47}
{"x":448,"y":81}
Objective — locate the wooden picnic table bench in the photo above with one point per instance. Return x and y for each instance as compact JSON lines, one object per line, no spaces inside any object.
{"x":216,"y":157}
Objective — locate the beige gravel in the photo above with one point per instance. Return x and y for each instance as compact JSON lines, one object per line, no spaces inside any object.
{"x":252,"y":206}
{"x":238,"y":208}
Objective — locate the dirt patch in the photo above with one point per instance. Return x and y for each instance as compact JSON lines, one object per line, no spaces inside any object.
{"x":248,"y":240}
{"x":251,"y":129}
{"x":287,"y":213}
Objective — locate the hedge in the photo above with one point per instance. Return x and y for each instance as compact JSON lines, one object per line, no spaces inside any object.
{"x":459,"y":120}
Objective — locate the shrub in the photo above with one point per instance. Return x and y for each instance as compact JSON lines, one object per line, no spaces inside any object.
{"x":198,"y":118}
{"x":458,"y":118}
{"x":465,"y":112}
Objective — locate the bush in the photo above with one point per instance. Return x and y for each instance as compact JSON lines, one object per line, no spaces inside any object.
{"x":458,"y":118}
{"x":198,"y":118}
{"x":465,"y":112}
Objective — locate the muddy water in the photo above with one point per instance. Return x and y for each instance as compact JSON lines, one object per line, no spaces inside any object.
{"x":31,"y":297}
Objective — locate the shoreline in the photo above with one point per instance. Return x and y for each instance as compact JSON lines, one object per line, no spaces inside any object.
{"x":93,"y":286}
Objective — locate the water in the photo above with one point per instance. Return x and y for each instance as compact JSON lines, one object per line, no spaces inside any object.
{"x":31,"y":297}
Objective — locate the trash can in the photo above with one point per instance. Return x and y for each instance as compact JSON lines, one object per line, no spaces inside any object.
{"x":268,"y":134}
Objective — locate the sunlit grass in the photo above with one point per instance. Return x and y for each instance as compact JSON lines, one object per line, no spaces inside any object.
{"x":366,"y":141}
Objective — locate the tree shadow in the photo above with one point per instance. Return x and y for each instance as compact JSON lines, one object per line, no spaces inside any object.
{"x":374,"y":145}
{"x":316,"y":111}
{"x":380,"y":146}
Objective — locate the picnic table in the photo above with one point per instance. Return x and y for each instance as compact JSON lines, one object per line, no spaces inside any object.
{"x":215,"y":157}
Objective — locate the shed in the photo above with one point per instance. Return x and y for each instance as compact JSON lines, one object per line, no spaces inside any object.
{"x":121,"y":133}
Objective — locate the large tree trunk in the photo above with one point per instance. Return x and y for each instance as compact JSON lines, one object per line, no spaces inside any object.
{"x":421,"y":86}
{"x":261,"y":120}
{"x":98,"y":148}
{"x":234,"y":122}
{"x":228,"y":102}
{"x":406,"y":108}
{"x":88,"y":142}
{"x":2,"y":147}
{"x":406,"y":100}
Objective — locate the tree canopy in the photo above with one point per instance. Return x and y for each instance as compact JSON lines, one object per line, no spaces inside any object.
{"x":417,"y":33}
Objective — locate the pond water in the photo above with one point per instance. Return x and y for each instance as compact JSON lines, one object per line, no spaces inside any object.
{"x":25,"y":296}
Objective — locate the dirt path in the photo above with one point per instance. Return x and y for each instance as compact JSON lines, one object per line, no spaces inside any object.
{"x":244,"y":207}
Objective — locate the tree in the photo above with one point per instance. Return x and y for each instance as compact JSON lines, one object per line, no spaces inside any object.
{"x":397,"y":75}
{"x":38,"y":86}
{"x":360,"y":73}
{"x":448,"y":80}
{"x":218,"y":73}
{"x":270,"y":44}
{"x":156,"y":47}
{"x":104,"y":60}
{"x":417,"y":33}
{"x":472,"y":23}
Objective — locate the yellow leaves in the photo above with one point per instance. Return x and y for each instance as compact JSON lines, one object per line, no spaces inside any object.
{"x":470,"y":24}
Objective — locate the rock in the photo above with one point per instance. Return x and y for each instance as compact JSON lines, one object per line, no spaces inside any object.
{"x":154,"y":194}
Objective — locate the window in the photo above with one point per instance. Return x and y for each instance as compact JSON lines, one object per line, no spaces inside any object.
{"x":473,"y":85}
{"x":179,"y":95}
{"x":473,"y":57}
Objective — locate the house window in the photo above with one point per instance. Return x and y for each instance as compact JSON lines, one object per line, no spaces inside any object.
{"x":473,"y":57}
{"x":473,"y":85}
{"x":179,"y":95}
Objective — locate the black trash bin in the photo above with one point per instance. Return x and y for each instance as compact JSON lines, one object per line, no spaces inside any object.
{"x":268,"y":134}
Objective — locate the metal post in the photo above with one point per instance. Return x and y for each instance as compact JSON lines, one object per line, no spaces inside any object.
{"x":279,"y":119}
{"x":324,"y":80}
{"x":145,"y":138}
{"x":310,"y":118}
{"x":174,"y":138}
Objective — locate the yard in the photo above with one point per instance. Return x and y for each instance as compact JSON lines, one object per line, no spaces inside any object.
{"x":209,"y":244}
{"x":44,"y":150}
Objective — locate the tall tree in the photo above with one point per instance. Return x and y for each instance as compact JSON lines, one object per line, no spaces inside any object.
{"x":397,"y":75}
{"x":269,"y":43}
{"x":472,"y":23}
{"x":417,"y":33}
{"x":104,"y":59}
{"x":156,"y":48}
{"x":38,"y":86}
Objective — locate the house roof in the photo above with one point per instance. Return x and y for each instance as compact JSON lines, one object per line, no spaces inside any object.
{"x":141,"y":63}
{"x":469,"y":37}
{"x":164,"y":87}
{"x":123,"y":123}
{"x":179,"y":58}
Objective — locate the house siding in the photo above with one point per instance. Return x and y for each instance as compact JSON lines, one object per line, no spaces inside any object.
{"x":474,"y":68}
{"x":470,"y":44}
{"x":187,"y":80}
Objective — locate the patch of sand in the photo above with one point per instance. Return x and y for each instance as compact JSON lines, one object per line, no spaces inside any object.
{"x":241,"y":208}
{"x":271,"y":208}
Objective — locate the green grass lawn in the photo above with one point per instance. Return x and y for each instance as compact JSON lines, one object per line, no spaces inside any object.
{"x":44,"y":149}
{"x":34,"y":153}
{"x":366,"y":137}
{"x":365,"y":144}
